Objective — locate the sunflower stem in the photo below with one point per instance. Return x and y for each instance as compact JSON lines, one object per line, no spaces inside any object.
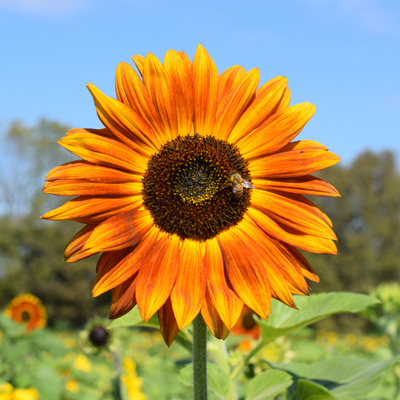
{"x":199,"y":358}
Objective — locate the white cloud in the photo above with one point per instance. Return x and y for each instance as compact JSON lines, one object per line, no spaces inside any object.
{"x":54,"y":8}
{"x":376,"y":15}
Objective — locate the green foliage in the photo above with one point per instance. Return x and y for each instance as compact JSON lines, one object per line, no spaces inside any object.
{"x":284,"y":320}
{"x":268,"y":384}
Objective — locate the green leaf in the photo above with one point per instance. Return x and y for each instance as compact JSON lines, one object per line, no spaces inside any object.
{"x":284,"y":319}
{"x":186,"y":375}
{"x":307,"y":390}
{"x":133,"y":318}
{"x":268,"y":384}
{"x":218,"y":381}
{"x":48,"y":383}
{"x":347,"y":379}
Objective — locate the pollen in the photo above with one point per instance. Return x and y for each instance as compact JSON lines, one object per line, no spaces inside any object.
{"x":187,"y":187}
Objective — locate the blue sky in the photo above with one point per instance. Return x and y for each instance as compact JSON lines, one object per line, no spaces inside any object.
{"x":341,"y":55}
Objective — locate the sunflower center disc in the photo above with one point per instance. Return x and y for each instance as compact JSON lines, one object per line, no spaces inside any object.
{"x":25,"y":316}
{"x":187,"y":188}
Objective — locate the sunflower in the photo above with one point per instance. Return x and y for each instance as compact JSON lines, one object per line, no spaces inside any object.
{"x":27,"y":309}
{"x":246,"y":324}
{"x":193,"y":191}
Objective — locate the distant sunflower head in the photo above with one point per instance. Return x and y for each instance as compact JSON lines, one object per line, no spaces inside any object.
{"x":29,"y":310}
{"x":246,"y":324}
{"x":194,"y":192}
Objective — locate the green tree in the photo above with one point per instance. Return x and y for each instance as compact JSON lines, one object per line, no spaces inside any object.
{"x":31,"y":250}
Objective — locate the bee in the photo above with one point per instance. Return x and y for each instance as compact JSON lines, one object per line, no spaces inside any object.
{"x":238,"y":183}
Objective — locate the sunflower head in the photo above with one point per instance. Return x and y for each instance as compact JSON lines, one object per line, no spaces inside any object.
{"x":27,"y":309}
{"x":194,"y":191}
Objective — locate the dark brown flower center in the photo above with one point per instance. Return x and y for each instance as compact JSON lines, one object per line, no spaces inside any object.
{"x":25,"y":316}
{"x":187,"y":187}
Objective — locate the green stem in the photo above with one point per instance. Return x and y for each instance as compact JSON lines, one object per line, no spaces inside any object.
{"x":199,"y":358}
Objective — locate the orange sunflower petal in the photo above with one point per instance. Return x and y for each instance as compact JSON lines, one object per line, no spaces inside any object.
{"x":246,"y":273}
{"x":125,"y":123}
{"x":182,"y":86}
{"x":73,"y":252}
{"x":115,"y":267}
{"x":276,"y":131}
{"x":157,"y":275}
{"x":205,"y":79}
{"x":168,"y":325}
{"x":313,"y":244}
{"x":159,"y":86}
{"x":225,"y":300}
{"x":228,"y":82}
{"x":188,"y":293}
{"x":285,"y":100}
{"x":77,"y":170}
{"x":119,"y":232}
{"x":185,"y":58}
{"x":92,"y":210}
{"x":131,"y":91}
{"x":292,"y":163}
{"x":213,"y":320}
{"x":139,"y":62}
{"x":104,"y":151}
{"x":123,"y":298}
{"x":265,"y":103}
{"x":295,"y":213}
{"x":309,"y":185}
{"x":279,"y":257}
{"x":236,"y":103}
{"x":80,"y":187}
{"x":271,"y":260}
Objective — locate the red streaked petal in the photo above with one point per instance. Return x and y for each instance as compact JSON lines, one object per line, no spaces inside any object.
{"x":123,"y":298}
{"x":236,"y":103}
{"x":285,"y":100}
{"x":246,"y":273}
{"x":77,"y":187}
{"x":92,"y":210}
{"x":139,"y":62}
{"x":228,"y":82}
{"x":182,"y":86}
{"x":212,"y":319}
{"x":78,"y":170}
{"x":157,"y":275}
{"x":73,"y":251}
{"x":102,"y":132}
{"x":264,"y":105}
{"x":205,"y":78}
{"x":277,"y":131}
{"x":271,"y":259}
{"x":131,"y":91}
{"x":159,"y":86}
{"x":293,"y":211}
{"x":125,"y":123}
{"x":188,"y":293}
{"x":313,"y":244}
{"x":225,"y":300}
{"x":290,"y":164}
{"x":308,"y":185}
{"x":118,"y":232}
{"x":185,"y":58}
{"x":114,"y":267}
{"x":101,"y":150}
{"x":279,"y":262}
{"x":168,"y":325}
